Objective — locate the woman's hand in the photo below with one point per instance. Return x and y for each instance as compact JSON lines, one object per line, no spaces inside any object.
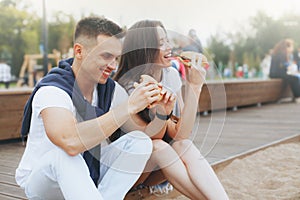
{"x":166,"y":105}
{"x":195,"y":74}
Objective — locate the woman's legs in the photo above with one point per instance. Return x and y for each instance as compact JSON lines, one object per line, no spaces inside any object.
{"x":156,"y":177}
{"x":294,"y":82}
{"x":199,"y":170}
{"x":173,"y":169}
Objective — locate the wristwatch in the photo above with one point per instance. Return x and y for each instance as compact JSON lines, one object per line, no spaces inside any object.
{"x":164,"y":117}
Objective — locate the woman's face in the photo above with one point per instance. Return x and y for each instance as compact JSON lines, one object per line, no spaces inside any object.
{"x":165,"y":50}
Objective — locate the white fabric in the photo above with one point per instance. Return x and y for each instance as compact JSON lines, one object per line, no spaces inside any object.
{"x":5,"y":74}
{"x":50,"y":178}
{"x":38,"y":143}
{"x":38,"y":146}
{"x":60,"y":176}
{"x":172,"y":81}
{"x":120,"y":95}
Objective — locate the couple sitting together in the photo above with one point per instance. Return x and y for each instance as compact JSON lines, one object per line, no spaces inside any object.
{"x":91,"y":137}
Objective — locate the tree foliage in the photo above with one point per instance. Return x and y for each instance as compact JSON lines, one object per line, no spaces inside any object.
{"x":21,"y":33}
{"x":61,"y":32}
{"x":17,"y":34}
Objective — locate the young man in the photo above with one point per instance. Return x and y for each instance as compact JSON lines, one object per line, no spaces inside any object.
{"x":71,"y":111}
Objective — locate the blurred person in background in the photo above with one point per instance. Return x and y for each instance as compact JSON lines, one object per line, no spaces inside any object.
{"x":266,"y":64}
{"x":5,"y":74}
{"x":194,"y":42}
{"x":283,"y":66}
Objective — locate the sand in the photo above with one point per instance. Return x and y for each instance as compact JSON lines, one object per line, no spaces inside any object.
{"x":273,"y":173}
{"x":269,"y":174}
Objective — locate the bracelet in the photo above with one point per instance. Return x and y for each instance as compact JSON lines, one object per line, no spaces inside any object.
{"x":164,"y":117}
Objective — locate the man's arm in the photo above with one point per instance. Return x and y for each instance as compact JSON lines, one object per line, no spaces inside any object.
{"x":73,"y":137}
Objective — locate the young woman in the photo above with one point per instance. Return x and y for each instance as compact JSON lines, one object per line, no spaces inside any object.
{"x":282,"y":64}
{"x":146,"y":50}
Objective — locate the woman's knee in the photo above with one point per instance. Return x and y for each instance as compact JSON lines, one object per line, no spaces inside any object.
{"x":186,"y":147}
{"x":159,"y":144}
{"x":182,"y":144}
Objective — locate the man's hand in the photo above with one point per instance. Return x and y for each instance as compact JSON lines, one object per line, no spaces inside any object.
{"x":143,"y":95}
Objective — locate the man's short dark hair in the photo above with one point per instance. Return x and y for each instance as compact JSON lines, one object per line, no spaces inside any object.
{"x":91,"y":27}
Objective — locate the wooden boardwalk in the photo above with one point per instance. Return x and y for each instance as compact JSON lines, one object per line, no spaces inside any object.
{"x":219,"y":135}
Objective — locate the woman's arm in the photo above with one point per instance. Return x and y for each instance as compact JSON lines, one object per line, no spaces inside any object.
{"x":183,"y":128}
{"x":155,"y":129}
{"x":195,"y":79}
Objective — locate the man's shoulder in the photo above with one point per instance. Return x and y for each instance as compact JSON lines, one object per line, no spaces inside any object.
{"x":51,"y":90}
{"x":51,"y":96}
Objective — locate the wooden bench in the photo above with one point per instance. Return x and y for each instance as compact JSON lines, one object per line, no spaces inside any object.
{"x":12,"y":103}
{"x":215,"y":95}
{"x":235,"y":93}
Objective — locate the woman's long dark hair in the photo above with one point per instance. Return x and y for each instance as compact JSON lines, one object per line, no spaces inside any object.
{"x":281,"y":48}
{"x":139,"y":53}
{"x":140,"y":47}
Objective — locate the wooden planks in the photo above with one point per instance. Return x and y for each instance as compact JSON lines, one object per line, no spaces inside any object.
{"x":10,"y":155}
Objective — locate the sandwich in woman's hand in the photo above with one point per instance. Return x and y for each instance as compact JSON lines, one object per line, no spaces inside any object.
{"x":186,"y":57}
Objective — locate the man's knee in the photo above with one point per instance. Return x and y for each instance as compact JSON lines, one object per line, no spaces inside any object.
{"x":140,"y":143}
{"x":61,"y":160}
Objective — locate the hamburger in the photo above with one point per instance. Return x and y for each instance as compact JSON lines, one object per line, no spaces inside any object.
{"x":148,"y":79}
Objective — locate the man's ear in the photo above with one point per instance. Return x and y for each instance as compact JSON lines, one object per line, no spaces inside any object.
{"x":78,"y":51}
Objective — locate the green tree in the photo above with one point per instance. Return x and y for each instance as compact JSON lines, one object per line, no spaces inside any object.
{"x":61,"y":32}
{"x":220,"y":50}
{"x":17,"y":32}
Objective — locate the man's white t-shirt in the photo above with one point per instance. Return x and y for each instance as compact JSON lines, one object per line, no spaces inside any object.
{"x":38,"y":143}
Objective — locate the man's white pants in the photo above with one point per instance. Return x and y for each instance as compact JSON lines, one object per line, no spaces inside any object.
{"x":60,"y":176}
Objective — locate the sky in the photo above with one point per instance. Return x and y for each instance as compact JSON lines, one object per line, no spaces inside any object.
{"x":205,"y":16}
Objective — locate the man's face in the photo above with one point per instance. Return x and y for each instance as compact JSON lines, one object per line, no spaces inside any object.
{"x":99,"y":61}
